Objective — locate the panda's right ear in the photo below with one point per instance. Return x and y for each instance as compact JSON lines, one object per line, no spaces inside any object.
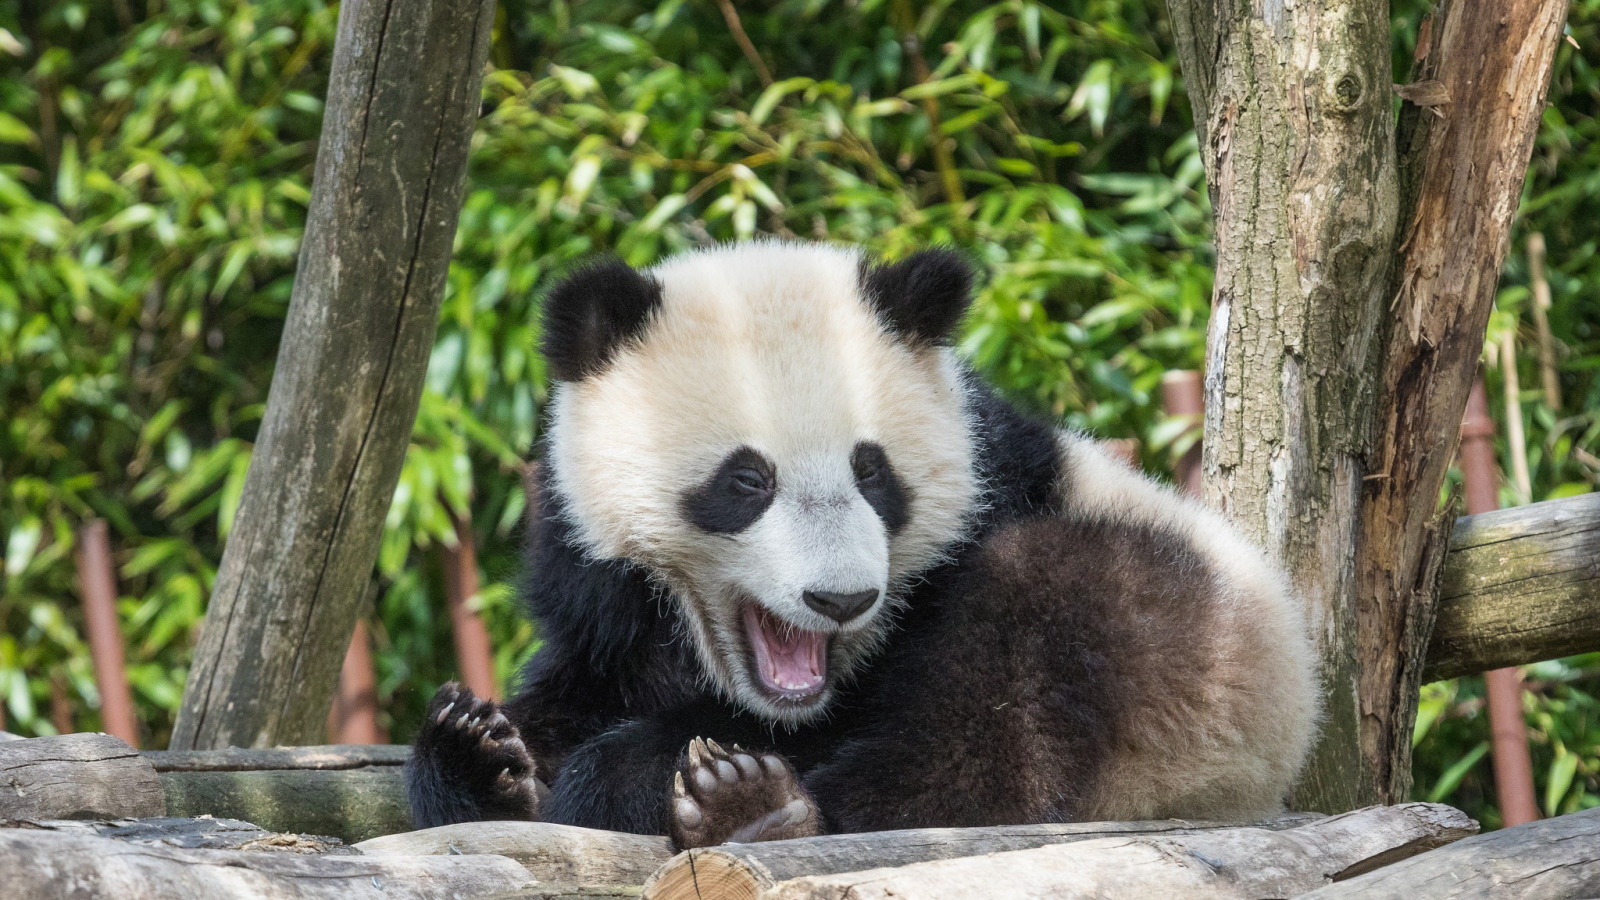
{"x":923,"y":297}
{"x":591,"y":312}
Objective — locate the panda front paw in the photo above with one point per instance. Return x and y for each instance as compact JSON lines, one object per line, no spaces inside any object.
{"x":472,"y":749}
{"x":721,"y":795}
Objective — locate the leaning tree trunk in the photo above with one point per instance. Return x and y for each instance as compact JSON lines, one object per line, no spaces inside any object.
{"x":403,"y":95}
{"x":1307,"y":347}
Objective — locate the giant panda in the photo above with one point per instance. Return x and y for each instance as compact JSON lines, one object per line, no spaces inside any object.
{"x":796,"y":569}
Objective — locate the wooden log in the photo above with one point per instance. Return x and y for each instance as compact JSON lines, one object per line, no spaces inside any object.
{"x":556,"y":855}
{"x":744,"y":870}
{"x":237,"y":759}
{"x":1225,"y":863}
{"x":44,"y":865}
{"x":403,"y":94}
{"x":350,"y":804}
{"x":77,"y":776}
{"x":1520,"y":585}
{"x":1557,"y":857}
{"x":192,"y":834}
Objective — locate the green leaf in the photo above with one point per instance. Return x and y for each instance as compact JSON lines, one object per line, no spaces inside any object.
{"x":1453,"y":775}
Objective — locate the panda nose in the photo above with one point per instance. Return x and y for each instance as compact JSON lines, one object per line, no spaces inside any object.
{"x":841,"y":607}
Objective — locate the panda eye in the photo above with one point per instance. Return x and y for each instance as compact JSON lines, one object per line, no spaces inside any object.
{"x":869,"y":473}
{"x":749,"y":482}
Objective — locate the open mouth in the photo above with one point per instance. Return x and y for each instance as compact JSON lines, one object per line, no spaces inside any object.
{"x":791,"y":663}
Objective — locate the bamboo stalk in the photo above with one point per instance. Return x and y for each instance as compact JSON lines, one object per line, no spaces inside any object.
{"x":1541,"y":320}
{"x":1516,"y":437}
{"x":1513,"y":770}
{"x":98,"y":585}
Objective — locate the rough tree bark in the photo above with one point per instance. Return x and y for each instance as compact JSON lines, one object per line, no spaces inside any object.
{"x":1292,"y":105}
{"x":1294,"y":112}
{"x":402,"y":99}
{"x":1486,"y":63}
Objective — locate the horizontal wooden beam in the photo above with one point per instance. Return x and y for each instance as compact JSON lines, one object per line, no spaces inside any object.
{"x":1520,"y":585}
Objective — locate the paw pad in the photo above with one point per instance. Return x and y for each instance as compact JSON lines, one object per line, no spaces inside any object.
{"x":733,"y":795}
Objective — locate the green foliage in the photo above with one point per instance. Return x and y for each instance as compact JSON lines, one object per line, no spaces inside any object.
{"x":155,"y":169}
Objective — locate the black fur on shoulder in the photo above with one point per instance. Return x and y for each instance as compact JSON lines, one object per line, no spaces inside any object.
{"x":922,"y":297}
{"x":591,"y":312}
{"x":1017,"y":457}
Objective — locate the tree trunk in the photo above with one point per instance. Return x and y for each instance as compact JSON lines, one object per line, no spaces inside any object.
{"x":402,"y":99}
{"x":1293,"y":111}
{"x":1294,"y":114}
{"x":1484,"y":68}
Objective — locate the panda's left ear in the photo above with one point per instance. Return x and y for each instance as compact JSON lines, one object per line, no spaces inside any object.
{"x":593,"y":311}
{"x":922,"y":297}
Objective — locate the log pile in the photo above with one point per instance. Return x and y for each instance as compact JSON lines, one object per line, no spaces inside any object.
{"x":87,"y":816}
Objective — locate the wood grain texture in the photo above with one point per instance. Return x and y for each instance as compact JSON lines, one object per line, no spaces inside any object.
{"x":403,"y":94}
{"x":745,"y":870}
{"x":1520,"y":585}
{"x":1462,"y":164}
{"x":77,"y":776}
{"x":1226,"y":864}
{"x":44,"y":865}
{"x":191,"y":834}
{"x":554,"y":854}
{"x":1557,"y":857}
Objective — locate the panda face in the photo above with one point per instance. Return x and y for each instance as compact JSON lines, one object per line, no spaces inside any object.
{"x":758,"y":428}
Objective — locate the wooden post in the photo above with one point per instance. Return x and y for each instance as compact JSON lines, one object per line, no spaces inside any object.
{"x":1513,"y":770}
{"x":354,"y":716}
{"x":1183,"y":394}
{"x":403,"y":95}
{"x":473,"y":655}
{"x":98,"y":584}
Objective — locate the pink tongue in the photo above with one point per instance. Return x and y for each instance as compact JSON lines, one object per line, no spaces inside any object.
{"x":788,"y":659}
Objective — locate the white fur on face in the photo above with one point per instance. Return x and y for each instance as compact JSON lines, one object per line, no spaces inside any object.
{"x":768,"y":346}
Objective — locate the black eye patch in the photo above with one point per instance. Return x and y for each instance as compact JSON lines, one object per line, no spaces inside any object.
{"x":735,"y":495}
{"x":876,"y":481}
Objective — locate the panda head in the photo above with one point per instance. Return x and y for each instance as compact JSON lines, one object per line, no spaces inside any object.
{"x":777,"y":433}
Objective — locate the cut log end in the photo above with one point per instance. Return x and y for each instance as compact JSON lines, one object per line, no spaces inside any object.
{"x":708,"y":874}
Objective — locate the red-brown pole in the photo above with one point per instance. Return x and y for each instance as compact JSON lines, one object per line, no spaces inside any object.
{"x":354,"y":716}
{"x":1183,"y":394}
{"x":97,"y":583}
{"x":1513,"y":770}
{"x":473,"y":655}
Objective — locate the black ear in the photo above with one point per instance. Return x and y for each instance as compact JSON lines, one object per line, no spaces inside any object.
{"x":591,"y":312}
{"x":922,"y":297}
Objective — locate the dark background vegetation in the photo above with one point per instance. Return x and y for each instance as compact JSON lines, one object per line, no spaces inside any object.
{"x":155,"y":164}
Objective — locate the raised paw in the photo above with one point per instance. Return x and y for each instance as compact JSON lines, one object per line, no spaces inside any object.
{"x":721,"y":796}
{"x":475,"y":753}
